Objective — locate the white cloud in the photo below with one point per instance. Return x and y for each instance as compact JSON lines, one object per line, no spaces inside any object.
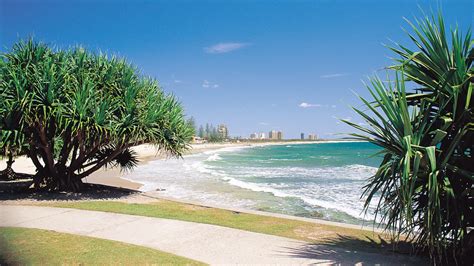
{"x":335,"y":75}
{"x":264,"y":123}
{"x":208,"y":84}
{"x":308,"y":105}
{"x":225,"y":47}
{"x":178,"y":81}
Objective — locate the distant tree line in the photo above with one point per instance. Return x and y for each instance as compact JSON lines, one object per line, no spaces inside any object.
{"x":208,"y":132}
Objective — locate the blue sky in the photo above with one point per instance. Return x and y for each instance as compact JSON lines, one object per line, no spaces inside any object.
{"x":253,"y":65}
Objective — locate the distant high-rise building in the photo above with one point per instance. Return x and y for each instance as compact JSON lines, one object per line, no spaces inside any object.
{"x":223,"y":131}
{"x":272,"y":134}
{"x":275,"y":135}
{"x":261,"y":135}
{"x":312,"y":137}
{"x":254,"y":136}
{"x":302,"y":136}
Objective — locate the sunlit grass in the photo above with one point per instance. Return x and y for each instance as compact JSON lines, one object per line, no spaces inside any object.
{"x":22,"y":246}
{"x":296,"y":229}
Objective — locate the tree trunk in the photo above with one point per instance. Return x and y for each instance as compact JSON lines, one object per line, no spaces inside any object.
{"x":8,"y":173}
{"x":57,"y":175}
{"x":63,"y":180}
{"x":69,"y":182}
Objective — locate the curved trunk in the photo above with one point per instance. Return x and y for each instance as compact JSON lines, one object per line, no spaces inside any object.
{"x":66,"y":173}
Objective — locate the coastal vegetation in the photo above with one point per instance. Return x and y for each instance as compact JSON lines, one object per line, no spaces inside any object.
{"x":24,"y":246}
{"x":209,"y":133}
{"x":424,"y":185}
{"x":73,"y":112}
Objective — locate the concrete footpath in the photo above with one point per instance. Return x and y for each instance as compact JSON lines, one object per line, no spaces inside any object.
{"x":207,"y":243}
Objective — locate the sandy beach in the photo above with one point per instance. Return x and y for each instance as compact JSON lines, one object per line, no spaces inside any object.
{"x":146,"y":153}
{"x":112,"y":177}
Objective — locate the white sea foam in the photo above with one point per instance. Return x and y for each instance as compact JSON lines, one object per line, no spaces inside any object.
{"x":203,"y":168}
{"x":355,"y":212}
{"x":227,"y":149}
{"x":342,"y":196}
{"x":350,"y":172}
{"x":257,"y":188}
{"x":197,"y":177}
{"x":214,"y":157}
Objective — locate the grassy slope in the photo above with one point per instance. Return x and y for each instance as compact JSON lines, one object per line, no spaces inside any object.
{"x":40,"y":247}
{"x":311,"y":232}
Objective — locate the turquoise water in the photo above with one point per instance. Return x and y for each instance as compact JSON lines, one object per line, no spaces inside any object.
{"x":322,"y":180}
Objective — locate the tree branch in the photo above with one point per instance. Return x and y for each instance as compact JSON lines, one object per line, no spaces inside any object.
{"x":103,"y":162}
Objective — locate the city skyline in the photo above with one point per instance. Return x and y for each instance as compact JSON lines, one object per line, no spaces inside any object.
{"x":279,"y":134}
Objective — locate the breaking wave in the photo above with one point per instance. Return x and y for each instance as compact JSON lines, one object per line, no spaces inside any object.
{"x":324,"y":182}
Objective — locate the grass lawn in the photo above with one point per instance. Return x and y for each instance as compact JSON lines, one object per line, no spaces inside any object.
{"x":301,"y":230}
{"x":22,"y":246}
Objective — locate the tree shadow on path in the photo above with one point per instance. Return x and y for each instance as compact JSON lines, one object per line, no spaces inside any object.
{"x":345,"y":250}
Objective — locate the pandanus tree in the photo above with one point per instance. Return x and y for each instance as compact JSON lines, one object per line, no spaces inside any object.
{"x":12,"y":140}
{"x":424,"y":186}
{"x":73,"y":112}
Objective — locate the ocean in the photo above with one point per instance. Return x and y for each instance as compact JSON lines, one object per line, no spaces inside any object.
{"x":318,"y":180}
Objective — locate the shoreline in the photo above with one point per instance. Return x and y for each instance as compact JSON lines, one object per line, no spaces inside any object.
{"x":146,"y":153}
{"x":176,"y":180}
